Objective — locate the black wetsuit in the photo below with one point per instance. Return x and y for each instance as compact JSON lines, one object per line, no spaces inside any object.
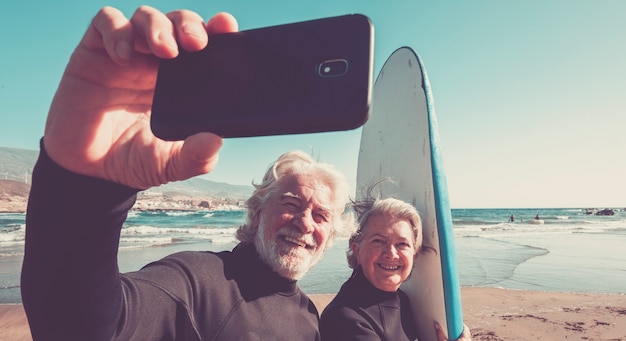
{"x":362,"y":312}
{"x":72,"y":289}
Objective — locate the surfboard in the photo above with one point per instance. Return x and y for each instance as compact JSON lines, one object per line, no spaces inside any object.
{"x":400,"y":141}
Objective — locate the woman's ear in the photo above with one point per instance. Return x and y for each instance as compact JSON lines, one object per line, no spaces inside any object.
{"x":256,"y":219}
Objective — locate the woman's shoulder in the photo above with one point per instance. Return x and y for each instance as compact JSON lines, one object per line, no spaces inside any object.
{"x":338,"y":312}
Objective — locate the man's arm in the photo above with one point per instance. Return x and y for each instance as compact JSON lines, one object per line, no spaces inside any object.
{"x":99,"y":120}
{"x":70,"y":281}
{"x":97,"y":151}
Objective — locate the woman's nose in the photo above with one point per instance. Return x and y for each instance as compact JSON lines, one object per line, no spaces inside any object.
{"x":391,"y":251}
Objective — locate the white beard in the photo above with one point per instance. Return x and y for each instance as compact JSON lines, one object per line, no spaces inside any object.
{"x":289,"y":261}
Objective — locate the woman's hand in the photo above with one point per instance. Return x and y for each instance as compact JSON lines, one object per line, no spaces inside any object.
{"x":466,"y":335}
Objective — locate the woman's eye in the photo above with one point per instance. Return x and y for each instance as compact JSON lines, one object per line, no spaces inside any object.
{"x":404,"y":246}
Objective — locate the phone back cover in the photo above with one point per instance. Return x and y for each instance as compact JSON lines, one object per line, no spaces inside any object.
{"x":266,"y":82}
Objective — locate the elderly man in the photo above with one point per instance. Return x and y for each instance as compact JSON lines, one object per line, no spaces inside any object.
{"x":98,"y":152}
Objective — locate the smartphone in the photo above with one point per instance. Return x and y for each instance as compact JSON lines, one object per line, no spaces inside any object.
{"x":311,"y":76}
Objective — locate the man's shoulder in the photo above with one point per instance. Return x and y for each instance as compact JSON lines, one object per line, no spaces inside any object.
{"x":188,"y":263}
{"x":199,"y":256}
{"x":185,"y":267}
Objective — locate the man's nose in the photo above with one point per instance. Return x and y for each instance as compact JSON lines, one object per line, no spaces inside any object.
{"x":304,"y":221}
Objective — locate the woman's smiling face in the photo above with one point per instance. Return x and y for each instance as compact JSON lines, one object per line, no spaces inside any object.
{"x":386,"y":251}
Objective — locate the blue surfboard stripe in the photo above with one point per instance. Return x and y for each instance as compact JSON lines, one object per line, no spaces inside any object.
{"x":452,"y":288}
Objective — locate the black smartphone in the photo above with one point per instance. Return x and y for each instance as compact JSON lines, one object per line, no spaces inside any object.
{"x":305,"y":77}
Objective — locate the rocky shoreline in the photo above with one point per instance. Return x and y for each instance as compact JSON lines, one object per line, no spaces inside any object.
{"x":185,"y":203}
{"x":13,"y":196}
{"x":14,"y":199}
{"x":12,"y":207}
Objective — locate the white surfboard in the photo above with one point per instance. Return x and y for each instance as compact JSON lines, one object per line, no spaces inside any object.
{"x":400,"y":141}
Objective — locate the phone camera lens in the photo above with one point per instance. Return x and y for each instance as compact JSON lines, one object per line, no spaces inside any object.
{"x":333,"y":68}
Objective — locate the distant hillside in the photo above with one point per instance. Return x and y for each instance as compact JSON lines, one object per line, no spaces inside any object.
{"x":199,"y":187}
{"x":10,"y":188}
{"x":17,"y":165}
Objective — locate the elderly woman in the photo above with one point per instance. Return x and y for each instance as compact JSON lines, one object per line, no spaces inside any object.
{"x":370,"y":305}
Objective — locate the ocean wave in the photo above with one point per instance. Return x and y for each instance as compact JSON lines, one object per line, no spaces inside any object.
{"x":126,"y":243}
{"x":200,"y":230}
{"x":12,"y":234}
{"x":179,"y":213}
{"x":488,"y":261}
{"x":167,"y":213}
{"x":146,"y":236}
{"x":549,"y":227}
{"x":463,"y":222}
{"x":11,"y":254}
{"x":155,"y":240}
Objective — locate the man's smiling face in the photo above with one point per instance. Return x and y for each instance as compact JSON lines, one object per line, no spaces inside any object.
{"x":294,"y":225}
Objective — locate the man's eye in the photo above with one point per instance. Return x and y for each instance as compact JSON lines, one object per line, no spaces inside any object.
{"x":321,"y":218}
{"x":291,"y":206}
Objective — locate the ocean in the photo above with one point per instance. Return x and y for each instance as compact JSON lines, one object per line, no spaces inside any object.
{"x":571,"y":250}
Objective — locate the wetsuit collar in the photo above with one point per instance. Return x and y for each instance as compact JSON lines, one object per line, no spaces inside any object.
{"x":258,"y":278}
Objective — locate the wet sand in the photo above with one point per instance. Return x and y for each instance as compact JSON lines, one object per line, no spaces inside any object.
{"x":492,"y":314}
{"x":499,"y":314}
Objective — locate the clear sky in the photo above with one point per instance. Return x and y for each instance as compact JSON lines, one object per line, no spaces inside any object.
{"x":530,"y":95}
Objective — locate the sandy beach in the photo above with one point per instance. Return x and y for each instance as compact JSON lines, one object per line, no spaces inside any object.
{"x":558,"y":277}
{"x":492,"y":314}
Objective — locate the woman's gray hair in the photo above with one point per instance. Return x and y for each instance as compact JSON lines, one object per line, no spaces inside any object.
{"x":299,"y":163}
{"x":390,"y":207}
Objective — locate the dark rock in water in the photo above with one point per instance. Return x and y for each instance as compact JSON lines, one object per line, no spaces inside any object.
{"x":605,"y":211}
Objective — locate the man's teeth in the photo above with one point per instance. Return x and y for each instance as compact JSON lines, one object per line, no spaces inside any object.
{"x":296,"y":241}
{"x":389,"y":267}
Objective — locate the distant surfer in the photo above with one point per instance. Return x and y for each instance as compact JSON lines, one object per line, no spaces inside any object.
{"x":512,"y":218}
{"x":537,"y":217}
